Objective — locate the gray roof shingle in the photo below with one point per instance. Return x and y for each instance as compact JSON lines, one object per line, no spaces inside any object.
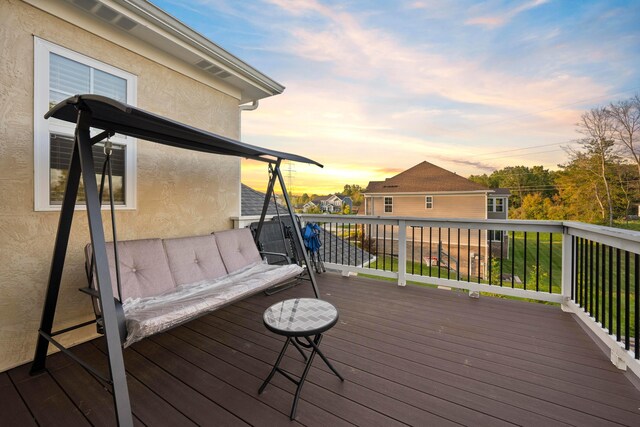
{"x":252,"y":202}
{"x":424,"y":177}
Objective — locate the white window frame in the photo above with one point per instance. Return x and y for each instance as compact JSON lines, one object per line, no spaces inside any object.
{"x":492,"y":235}
{"x":42,"y":127}
{"x":492,"y":204}
{"x":428,"y":202}
{"x":384,"y":204}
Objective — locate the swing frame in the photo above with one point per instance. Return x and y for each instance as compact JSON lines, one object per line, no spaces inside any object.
{"x":94,"y":111}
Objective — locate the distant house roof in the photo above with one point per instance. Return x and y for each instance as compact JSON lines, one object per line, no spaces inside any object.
{"x":252,"y":202}
{"x":424,"y":177}
{"x":319,"y":199}
{"x":501,"y":192}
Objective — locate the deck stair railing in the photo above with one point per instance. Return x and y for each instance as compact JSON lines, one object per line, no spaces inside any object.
{"x":591,"y":271}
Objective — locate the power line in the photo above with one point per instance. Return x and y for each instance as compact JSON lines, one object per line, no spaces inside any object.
{"x":554,"y":108}
{"x":535,"y":152}
{"x":525,"y":148}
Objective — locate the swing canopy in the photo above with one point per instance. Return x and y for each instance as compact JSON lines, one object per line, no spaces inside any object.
{"x":116,"y":117}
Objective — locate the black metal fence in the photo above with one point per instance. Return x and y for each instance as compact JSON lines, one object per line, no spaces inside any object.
{"x":605,"y":282}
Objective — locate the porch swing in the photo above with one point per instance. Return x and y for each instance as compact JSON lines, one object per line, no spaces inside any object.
{"x":113,"y":117}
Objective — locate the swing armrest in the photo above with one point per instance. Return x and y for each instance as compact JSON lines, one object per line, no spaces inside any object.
{"x":122,"y":323}
{"x":89,"y":291}
{"x":285,"y":256}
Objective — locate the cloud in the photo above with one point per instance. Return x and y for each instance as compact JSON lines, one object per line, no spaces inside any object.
{"x":475,"y":164}
{"x":372,"y":90}
{"x":500,"y":19}
{"x":349,"y":49}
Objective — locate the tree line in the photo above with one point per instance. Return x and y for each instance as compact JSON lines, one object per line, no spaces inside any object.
{"x":598,"y":184}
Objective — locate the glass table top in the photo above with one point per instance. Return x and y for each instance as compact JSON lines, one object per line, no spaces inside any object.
{"x":300,"y":316}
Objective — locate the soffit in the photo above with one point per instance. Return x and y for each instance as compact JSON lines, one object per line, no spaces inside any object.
{"x":148,"y":23}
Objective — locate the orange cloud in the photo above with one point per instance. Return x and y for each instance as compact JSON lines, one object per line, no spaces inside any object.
{"x":500,"y":19}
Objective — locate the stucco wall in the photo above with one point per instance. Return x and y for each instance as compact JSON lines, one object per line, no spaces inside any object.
{"x":444,"y":206}
{"x":179,"y":192}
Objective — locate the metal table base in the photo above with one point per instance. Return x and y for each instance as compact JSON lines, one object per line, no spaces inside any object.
{"x":314,"y":345}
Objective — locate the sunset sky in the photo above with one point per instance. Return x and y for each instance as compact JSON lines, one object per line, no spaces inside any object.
{"x":375,"y":87}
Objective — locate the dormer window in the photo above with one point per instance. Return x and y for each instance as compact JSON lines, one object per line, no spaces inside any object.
{"x":495,"y":204}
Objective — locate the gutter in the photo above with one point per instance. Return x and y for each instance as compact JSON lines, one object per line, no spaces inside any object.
{"x":250,"y":107}
{"x":200,"y":42}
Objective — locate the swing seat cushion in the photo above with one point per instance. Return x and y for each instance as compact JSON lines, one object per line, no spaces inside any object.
{"x":152,"y":315}
{"x":169,"y":282}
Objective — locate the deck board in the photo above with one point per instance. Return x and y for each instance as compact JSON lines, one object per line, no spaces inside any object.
{"x":410,"y":356}
{"x":13,"y":410}
{"x":530,"y":397}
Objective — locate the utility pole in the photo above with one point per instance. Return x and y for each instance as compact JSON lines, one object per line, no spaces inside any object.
{"x":291,"y":169}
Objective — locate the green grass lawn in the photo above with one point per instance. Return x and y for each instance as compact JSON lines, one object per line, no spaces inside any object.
{"x":629,"y":225}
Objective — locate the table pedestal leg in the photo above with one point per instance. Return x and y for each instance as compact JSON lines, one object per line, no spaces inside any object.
{"x":314,"y":345}
{"x":275,"y":367}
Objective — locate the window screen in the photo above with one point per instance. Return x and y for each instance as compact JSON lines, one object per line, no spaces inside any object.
{"x":61,"y":148}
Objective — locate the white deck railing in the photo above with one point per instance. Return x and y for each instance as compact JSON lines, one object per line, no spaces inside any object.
{"x":591,"y":271}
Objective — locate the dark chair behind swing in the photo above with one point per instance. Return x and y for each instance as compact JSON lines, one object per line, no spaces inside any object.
{"x":275,"y":243}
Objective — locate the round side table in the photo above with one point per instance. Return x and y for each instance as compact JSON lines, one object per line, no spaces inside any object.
{"x":302,"y":321}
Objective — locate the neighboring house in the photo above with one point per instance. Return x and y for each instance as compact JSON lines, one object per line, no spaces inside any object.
{"x":134,"y":52}
{"x":308,"y":206}
{"x":346,"y":201}
{"x":329,"y":204}
{"x":498,"y":203}
{"x":429,"y":191}
{"x":498,"y":208}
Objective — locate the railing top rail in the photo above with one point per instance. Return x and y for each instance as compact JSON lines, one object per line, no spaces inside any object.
{"x":617,"y":237}
{"x":414,"y":218}
{"x":482,"y":224}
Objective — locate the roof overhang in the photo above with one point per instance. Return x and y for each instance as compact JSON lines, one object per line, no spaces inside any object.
{"x":428,"y":193}
{"x":150,"y":24}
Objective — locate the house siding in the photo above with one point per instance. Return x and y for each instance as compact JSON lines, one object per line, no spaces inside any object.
{"x":179,"y":192}
{"x":496,"y":215}
{"x":444,"y":206}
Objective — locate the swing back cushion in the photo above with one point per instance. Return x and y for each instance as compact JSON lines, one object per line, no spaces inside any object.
{"x":151,"y":267}
{"x":192,"y":259}
{"x":237,"y":249}
{"x":144,"y":270}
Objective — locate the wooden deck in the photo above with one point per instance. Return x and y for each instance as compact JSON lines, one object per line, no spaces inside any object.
{"x":411,"y":355}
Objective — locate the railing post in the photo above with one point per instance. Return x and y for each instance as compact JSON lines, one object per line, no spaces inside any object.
{"x":402,"y":253}
{"x":567,"y":268}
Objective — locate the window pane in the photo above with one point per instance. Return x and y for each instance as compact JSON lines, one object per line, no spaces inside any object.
{"x":67,"y":78}
{"x":109,"y":85}
{"x":388,"y":204}
{"x":61,"y":147}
